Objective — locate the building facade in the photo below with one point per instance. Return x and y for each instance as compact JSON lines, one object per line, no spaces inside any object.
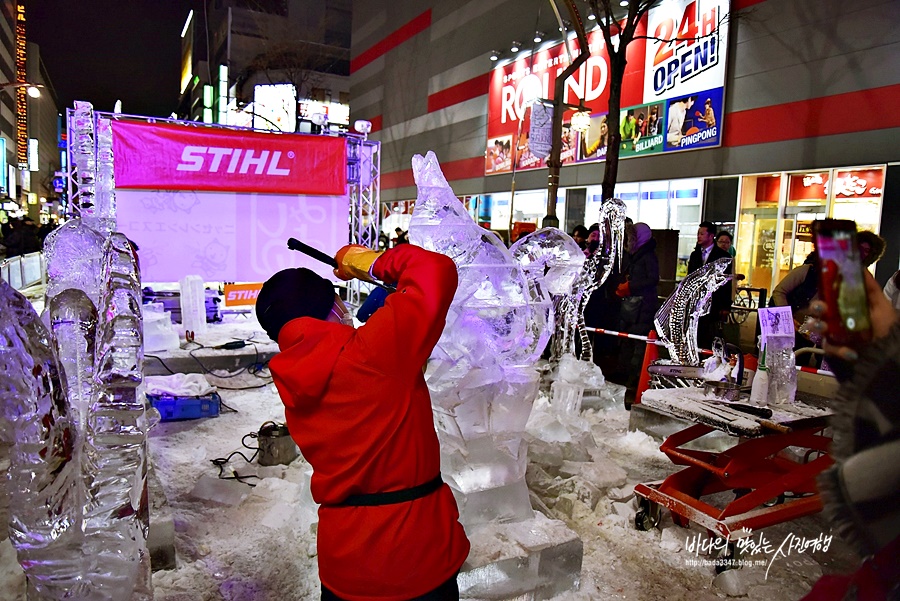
{"x":807,"y":115}
{"x":269,"y":65}
{"x":29,"y":127}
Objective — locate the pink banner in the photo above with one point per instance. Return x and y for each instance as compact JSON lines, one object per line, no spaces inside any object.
{"x":151,"y":156}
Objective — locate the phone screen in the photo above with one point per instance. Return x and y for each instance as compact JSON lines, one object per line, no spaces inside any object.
{"x":841,"y":283}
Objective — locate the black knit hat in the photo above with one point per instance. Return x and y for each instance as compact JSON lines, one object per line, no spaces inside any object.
{"x":292,"y":293}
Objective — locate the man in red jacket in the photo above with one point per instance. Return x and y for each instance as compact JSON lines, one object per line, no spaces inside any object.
{"x":357,"y":405}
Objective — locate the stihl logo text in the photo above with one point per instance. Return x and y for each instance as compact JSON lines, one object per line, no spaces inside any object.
{"x":213,"y":159}
{"x":236,"y":295}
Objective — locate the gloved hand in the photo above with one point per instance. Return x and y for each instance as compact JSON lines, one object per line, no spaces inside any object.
{"x":354,"y":261}
{"x":623,"y":290}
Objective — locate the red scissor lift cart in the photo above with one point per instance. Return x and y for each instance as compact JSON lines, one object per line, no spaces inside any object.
{"x":770,"y":485}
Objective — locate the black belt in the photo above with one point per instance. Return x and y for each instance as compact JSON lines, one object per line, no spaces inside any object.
{"x":395,"y":496}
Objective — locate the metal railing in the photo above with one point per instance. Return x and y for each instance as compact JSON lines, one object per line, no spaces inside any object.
{"x":23,"y":271}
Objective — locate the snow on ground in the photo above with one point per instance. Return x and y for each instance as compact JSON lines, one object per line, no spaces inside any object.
{"x":261,"y":544}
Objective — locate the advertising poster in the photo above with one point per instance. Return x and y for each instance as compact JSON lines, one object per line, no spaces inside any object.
{"x":595,"y":140}
{"x":642,"y":129}
{"x":678,"y":53}
{"x":498,"y":156}
{"x":687,"y":54}
{"x":694,"y":121}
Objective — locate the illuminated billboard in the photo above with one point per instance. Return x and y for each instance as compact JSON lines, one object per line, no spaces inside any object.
{"x":275,"y":107}
{"x":672,"y":96}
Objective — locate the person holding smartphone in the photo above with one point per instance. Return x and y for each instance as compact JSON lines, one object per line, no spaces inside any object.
{"x":860,"y":491}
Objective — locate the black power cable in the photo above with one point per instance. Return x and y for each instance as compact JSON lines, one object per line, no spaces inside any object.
{"x":221,"y":462}
{"x":254,"y":368}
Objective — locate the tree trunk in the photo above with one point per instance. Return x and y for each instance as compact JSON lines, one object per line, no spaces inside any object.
{"x":614,"y":144}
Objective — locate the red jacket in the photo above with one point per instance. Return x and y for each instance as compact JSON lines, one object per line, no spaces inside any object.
{"x":357,"y":405}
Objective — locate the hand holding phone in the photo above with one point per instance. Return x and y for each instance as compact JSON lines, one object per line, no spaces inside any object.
{"x":842,"y":285}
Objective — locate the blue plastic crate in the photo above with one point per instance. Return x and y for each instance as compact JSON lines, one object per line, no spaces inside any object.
{"x":173,"y":408}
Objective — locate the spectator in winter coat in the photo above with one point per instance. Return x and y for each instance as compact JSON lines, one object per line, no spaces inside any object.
{"x":710,"y":325}
{"x":639,"y":300}
{"x":357,"y":405}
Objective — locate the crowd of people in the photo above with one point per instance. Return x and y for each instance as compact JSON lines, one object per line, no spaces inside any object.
{"x":22,"y":236}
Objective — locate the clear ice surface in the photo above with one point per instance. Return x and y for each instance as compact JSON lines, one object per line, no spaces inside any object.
{"x":533,"y":559}
{"x":551,"y":257}
{"x":119,"y":353}
{"x":84,"y":161}
{"x":74,"y":254}
{"x":782,"y":372}
{"x":105,"y":192}
{"x":193,"y":304}
{"x":45,"y":509}
{"x":677,"y":318}
{"x":116,"y":516}
{"x":73,"y":319}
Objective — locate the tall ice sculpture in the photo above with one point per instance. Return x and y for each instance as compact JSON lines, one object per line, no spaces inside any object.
{"x":73,"y":412}
{"x":483,"y":382}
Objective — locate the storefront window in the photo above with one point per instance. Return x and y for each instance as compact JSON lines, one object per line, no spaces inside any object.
{"x":757,"y":226}
{"x":807,"y":201}
{"x":769,"y":205}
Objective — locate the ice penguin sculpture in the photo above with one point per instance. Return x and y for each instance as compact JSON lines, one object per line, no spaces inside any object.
{"x":676,"y":321}
{"x":483,"y":382}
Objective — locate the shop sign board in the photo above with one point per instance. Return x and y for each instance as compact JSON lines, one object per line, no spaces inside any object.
{"x":862,"y":183}
{"x":672,"y":91}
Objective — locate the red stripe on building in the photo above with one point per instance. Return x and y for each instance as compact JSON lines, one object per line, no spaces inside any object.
{"x":825,"y":116}
{"x":473,"y":88}
{"x":742,"y":4}
{"x":376,"y":123}
{"x":453,"y":170}
{"x":397,"y":179}
{"x":417,"y":25}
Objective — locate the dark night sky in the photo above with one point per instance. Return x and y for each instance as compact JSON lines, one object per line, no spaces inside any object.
{"x":107,"y":50}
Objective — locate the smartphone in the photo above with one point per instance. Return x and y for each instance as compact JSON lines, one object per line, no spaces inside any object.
{"x":841,"y":283}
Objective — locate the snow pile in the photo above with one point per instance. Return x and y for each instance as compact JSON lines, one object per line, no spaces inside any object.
{"x":582,"y":469}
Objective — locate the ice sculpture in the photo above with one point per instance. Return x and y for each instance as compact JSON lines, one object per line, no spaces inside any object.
{"x":481,"y":375}
{"x":73,"y":252}
{"x":44,"y":507}
{"x":105,"y":193}
{"x":483,"y":383}
{"x":676,"y":321}
{"x":116,"y":518}
{"x":78,"y":431}
{"x":570,"y":308}
{"x":551,"y":261}
{"x":85,"y":163}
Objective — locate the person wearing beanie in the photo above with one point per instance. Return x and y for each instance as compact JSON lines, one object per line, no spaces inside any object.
{"x":639,"y":300}
{"x":357,"y":405}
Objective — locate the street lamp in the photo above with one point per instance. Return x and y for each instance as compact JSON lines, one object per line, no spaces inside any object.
{"x":33,"y":90}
